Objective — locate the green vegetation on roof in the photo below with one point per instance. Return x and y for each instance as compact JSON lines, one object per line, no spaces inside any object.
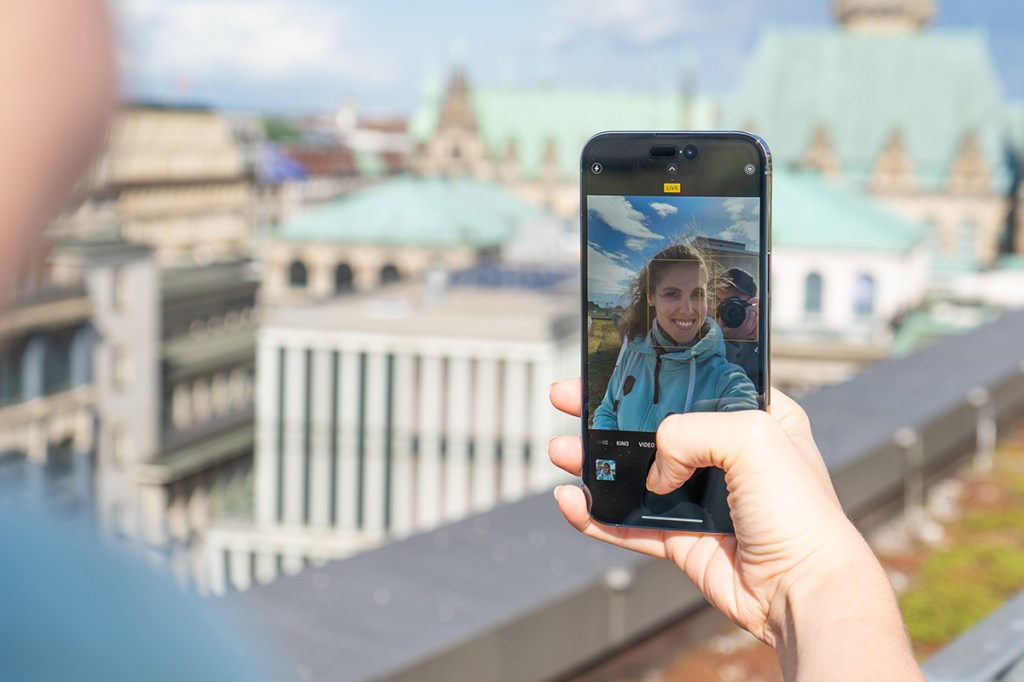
{"x":410,"y":211}
{"x":935,"y":87}
{"x":810,"y":211}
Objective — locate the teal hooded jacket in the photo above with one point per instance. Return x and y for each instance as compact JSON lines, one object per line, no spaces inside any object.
{"x":646,"y":386}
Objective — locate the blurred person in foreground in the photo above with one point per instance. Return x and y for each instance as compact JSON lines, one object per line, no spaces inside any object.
{"x":797,"y":574}
{"x":70,"y":608}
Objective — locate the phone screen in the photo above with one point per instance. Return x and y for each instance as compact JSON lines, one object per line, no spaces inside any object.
{"x":675,"y":291}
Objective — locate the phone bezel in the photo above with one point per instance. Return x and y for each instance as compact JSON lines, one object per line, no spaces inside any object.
{"x":642,"y":140}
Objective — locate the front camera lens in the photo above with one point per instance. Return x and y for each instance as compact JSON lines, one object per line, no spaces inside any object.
{"x":690,"y":152}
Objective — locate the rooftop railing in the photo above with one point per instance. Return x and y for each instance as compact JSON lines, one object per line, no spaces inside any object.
{"x":516,"y":594}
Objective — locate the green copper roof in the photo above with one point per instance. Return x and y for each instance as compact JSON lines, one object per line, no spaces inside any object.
{"x":429,"y":212}
{"x":533,"y":118}
{"x":934,"y":87}
{"x":810,"y":211}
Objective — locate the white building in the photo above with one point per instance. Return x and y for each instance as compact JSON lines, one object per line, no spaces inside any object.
{"x":384,"y":414}
{"x":845,"y":270}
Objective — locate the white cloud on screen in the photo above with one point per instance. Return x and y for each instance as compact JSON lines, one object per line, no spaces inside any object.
{"x":663,"y":209}
{"x":620,"y":215}
{"x":607,"y":273}
{"x":745,"y":226}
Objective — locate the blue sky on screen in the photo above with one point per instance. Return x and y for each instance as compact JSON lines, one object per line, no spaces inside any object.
{"x":623,"y":233}
{"x":312,"y":55}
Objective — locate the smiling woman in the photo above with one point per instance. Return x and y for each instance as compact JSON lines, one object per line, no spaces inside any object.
{"x":673,"y":356}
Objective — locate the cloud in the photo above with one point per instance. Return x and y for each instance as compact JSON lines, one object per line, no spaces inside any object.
{"x":620,"y":215}
{"x":745,"y":226}
{"x":261,"y":41}
{"x":664,"y":209}
{"x":606,"y":272}
{"x":735,"y":206}
{"x":632,"y":23}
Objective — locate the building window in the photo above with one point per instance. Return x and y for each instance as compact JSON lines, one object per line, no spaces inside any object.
{"x":181,"y":407}
{"x":389,"y":274}
{"x":57,"y":366}
{"x":864,"y":296}
{"x":200,"y":401}
{"x":119,"y":290}
{"x":297,"y":275}
{"x":119,"y":444}
{"x":220,"y":399}
{"x":121,"y":368}
{"x":967,"y":238}
{"x":239,"y":398}
{"x":812,"y":295}
{"x":344,"y":279}
{"x":11,"y":375}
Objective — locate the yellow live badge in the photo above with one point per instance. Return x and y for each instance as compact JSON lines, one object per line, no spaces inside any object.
{"x":673,"y":188}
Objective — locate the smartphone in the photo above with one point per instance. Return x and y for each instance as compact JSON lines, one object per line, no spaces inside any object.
{"x":675,"y":250}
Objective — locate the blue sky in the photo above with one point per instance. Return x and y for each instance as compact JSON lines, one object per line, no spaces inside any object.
{"x":311,"y":55}
{"x":623,"y":233}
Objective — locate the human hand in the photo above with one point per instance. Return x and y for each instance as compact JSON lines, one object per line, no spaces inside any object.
{"x":790,"y":528}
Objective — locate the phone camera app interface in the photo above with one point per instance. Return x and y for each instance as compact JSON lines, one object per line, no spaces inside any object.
{"x":673,"y":327}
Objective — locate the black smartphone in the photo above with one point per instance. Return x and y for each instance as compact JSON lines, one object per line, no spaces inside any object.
{"x":676,"y":231}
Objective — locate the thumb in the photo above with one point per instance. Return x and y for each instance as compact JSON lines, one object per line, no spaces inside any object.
{"x":686,"y":442}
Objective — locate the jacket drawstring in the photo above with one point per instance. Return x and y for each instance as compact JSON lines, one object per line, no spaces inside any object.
{"x":657,"y":383}
{"x":689,"y":388}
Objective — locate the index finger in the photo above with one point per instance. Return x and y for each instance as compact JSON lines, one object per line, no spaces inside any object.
{"x":567,"y":396}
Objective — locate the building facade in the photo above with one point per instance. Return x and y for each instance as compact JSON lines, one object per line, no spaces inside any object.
{"x":48,"y":408}
{"x":384,"y":414}
{"x":399,"y":229}
{"x":174,"y":179}
{"x":845,"y":271}
{"x":912,"y":114}
{"x":413,"y":389}
{"x":170,"y":371}
{"x":528,"y":140}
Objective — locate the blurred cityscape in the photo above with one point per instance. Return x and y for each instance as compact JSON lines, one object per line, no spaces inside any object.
{"x":257,"y":343}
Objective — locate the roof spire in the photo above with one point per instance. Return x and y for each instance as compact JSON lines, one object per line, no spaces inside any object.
{"x":884,"y":15}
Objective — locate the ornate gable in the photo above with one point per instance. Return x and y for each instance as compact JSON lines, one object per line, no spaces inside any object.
{"x":456,"y":147}
{"x":820,"y":156}
{"x":969,"y":173}
{"x":894,"y":172}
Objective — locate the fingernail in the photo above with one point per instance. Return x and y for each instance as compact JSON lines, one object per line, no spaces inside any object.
{"x":555,"y":491}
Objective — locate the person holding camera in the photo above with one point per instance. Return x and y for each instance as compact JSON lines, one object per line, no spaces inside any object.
{"x":736,"y":312}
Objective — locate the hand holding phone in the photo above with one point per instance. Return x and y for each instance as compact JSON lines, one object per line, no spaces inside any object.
{"x":796,"y":570}
{"x":675,"y":230}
